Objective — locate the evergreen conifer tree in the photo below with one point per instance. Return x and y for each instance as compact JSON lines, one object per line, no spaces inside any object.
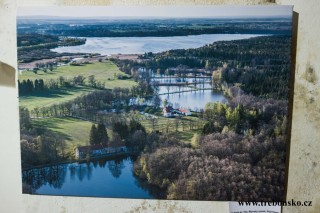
{"x":93,"y":139}
{"x":102,"y":135}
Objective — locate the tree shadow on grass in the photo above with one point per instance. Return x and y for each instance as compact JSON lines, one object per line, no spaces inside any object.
{"x":52,"y":127}
{"x":56,"y":93}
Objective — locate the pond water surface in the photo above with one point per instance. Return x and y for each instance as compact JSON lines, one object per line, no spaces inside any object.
{"x":103,"y":178}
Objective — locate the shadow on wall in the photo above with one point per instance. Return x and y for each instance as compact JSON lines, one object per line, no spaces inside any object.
{"x":7,"y":75}
{"x":295,"y":20}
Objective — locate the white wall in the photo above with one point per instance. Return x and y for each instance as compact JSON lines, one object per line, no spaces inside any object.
{"x":304,"y":169}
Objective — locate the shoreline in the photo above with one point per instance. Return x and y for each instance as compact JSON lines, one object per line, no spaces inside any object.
{"x":117,"y":155}
{"x":80,"y":58}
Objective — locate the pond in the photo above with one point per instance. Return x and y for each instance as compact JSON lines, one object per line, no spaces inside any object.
{"x":193,"y":96}
{"x":101,"y":178}
{"x":194,"y":100}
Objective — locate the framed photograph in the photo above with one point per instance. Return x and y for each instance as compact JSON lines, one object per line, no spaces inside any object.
{"x":150,"y":102}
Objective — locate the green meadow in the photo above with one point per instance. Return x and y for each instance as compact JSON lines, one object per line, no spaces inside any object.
{"x":103,"y":72}
{"x":74,"y":131}
{"x":183,"y":131}
{"x":44,"y":99}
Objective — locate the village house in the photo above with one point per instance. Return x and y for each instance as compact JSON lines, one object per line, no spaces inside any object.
{"x":185,"y":112}
{"x":98,"y":150}
{"x":168,"y":111}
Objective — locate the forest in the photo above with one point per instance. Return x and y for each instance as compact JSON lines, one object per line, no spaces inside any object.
{"x":33,"y":46}
{"x":239,"y":156}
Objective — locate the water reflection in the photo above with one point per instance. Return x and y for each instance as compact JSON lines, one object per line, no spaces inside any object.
{"x":141,"y":45}
{"x":104,"y":178}
{"x":53,"y":176}
{"x":115,"y":167}
{"x":194,"y":100}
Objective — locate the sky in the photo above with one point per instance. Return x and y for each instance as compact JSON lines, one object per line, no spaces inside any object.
{"x":157,"y":11}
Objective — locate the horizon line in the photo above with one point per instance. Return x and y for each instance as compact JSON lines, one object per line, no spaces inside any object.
{"x":43,"y":17}
{"x":157,"y":11}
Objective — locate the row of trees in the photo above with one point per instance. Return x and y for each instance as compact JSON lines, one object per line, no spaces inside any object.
{"x":29,"y":86}
{"x":96,"y":100}
{"x":51,"y":65}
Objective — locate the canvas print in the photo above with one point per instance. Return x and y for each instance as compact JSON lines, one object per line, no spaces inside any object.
{"x":181,"y":103}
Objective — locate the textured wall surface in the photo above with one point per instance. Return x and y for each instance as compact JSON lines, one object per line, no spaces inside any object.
{"x":304,"y":171}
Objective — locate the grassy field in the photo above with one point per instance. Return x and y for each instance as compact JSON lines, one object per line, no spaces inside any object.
{"x":183,"y":133}
{"x":44,"y":99}
{"x":101,"y":70}
{"x":74,"y":131}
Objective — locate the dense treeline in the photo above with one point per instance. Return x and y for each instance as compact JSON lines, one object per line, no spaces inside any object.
{"x":268,"y":81}
{"x":245,"y":114}
{"x":103,"y":31}
{"x":227,"y":166}
{"x":33,"y":46}
{"x":26,"y":56}
{"x":263,"y":50}
{"x":29,"y":86}
{"x":35,"y":39}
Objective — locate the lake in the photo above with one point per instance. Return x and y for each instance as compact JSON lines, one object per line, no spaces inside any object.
{"x":103,"y":178}
{"x":140,"y":45}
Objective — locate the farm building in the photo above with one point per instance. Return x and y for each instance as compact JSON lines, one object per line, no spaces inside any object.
{"x":185,"y":111}
{"x":168,"y":111}
{"x":98,"y":150}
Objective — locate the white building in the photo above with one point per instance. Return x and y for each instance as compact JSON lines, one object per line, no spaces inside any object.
{"x":98,"y":150}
